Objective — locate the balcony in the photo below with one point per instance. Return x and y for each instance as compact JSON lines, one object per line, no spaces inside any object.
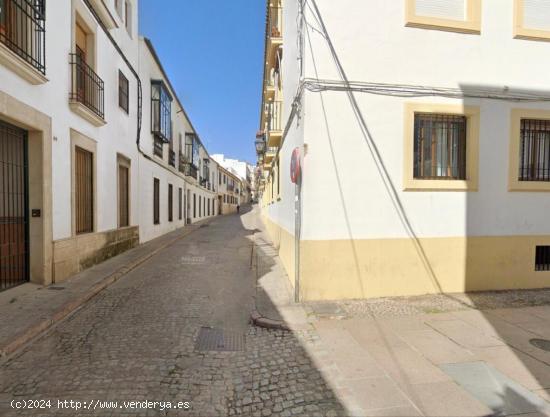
{"x":22,"y":38}
{"x":191,"y":171}
{"x":172,"y":158}
{"x":274,"y":117}
{"x":270,"y":154}
{"x":87,"y":96}
{"x":275,"y":30}
{"x":157,"y":147}
{"x":182,"y":161}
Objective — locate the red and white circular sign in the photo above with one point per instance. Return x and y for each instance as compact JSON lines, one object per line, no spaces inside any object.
{"x":295,"y":168}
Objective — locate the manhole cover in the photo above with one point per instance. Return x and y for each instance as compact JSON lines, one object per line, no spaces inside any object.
{"x":541,"y":344}
{"x":219,"y":340}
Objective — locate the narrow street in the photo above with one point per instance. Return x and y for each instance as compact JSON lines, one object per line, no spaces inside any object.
{"x":135,"y":341}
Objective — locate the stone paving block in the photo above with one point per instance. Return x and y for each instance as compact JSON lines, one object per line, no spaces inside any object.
{"x":498,"y":392}
{"x":522,"y":368}
{"x":464,"y":334}
{"x":436,"y":347}
{"x":445,"y":399}
{"x":378,"y":393}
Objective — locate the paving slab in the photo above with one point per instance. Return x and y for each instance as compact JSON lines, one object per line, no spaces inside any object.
{"x":518,"y":366}
{"x":498,"y":392}
{"x":446,"y":399}
{"x":436,"y":347}
{"x":464,"y":334}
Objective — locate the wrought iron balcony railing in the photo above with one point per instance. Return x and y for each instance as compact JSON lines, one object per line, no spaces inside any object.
{"x":182,"y":162}
{"x":191,"y":171}
{"x":23,"y":30}
{"x":274,"y":115}
{"x":86,"y":86}
{"x":157,"y":146}
{"x":275,"y":22}
{"x":172,"y":158}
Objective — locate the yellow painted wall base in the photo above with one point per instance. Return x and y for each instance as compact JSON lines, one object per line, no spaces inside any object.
{"x":346,"y":269}
{"x":284,"y":242}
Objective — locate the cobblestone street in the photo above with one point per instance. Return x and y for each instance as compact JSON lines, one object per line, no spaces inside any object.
{"x":135,"y":341}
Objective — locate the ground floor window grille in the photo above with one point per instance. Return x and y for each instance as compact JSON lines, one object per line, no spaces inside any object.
{"x":180,"y":202}
{"x":534,"y":150}
{"x":123,"y":196}
{"x":84,"y":191}
{"x":542,"y":258}
{"x":439,"y":146}
{"x":156,"y":201}
{"x":170,"y":203}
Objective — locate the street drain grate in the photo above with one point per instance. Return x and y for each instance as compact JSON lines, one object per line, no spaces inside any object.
{"x":56,"y":288}
{"x":541,"y":344}
{"x":203,"y":225}
{"x":219,"y":340}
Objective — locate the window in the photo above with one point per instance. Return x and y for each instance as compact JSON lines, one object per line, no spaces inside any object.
{"x":118,"y":7}
{"x":128,"y":16}
{"x":532,"y":19}
{"x":180,"y":204}
{"x":170,"y":203}
{"x":529,"y":168}
{"x":194,"y":205}
{"x":542,"y":258}
{"x":219,"y":178}
{"x":450,"y":15}
{"x":439,"y":146}
{"x":123,"y":92}
{"x":123,"y":196}
{"x":84,"y":191}
{"x":534,"y":162}
{"x":208,"y":204}
{"x":156,"y":201}
{"x":22,"y":30}
{"x":200,"y":206}
{"x":161,"y":111}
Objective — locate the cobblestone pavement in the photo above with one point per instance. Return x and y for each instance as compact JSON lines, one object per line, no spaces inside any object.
{"x":135,"y":341}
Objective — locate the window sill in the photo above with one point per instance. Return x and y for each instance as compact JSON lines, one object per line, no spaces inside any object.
{"x":531,"y":34}
{"x":20,"y":67}
{"x":471,"y":25}
{"x":466,"y":27}
{"x":84,"y":112}
{"x":529,"y":186}
{"x":440,"y":185}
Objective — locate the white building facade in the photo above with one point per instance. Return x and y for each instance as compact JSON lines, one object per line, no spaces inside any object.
{"x":245,"y":172}
{"x":424,"y":135}
{"x":77,"y":162}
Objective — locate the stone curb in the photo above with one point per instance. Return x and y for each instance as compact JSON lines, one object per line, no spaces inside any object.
{"x":260,"y":321}
{"x":71,"y":306}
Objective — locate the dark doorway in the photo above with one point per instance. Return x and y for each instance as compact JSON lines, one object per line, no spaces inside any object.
{"x":14,"y":215}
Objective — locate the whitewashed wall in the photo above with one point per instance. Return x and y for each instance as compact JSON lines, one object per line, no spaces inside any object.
{"x":344,"y":196}
{"x":52,"y":98}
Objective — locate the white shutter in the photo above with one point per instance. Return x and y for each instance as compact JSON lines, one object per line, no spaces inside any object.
{"x":444,"y":9}
{"x":536,"y":14}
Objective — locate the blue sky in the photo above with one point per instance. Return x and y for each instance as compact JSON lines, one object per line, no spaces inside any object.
{"x":213,"y":53}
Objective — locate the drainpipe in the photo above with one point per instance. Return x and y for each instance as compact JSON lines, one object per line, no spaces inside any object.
{"x":139,"y":87}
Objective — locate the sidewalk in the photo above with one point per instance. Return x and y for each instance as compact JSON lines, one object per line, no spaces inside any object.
{"x":442,"y":355}
{"x":29,"y":309}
